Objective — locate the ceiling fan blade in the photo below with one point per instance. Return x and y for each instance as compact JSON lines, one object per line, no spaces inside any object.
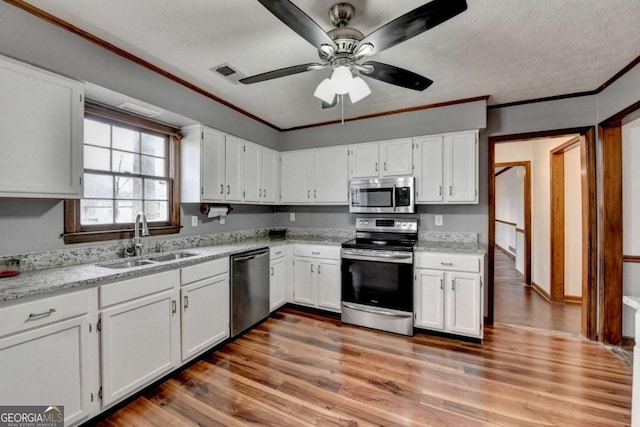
{"x":299,"y":22}
{"x":397,"y":76}
{"x":413,"y":23}
{"x":275,"y":74}
{"x":326,"y":105}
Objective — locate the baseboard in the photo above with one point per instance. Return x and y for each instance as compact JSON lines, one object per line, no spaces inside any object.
{"x":628,"y":342}
{"x":544,"y":294}
{"x":506,"y":252}
{"x":572,"y":299}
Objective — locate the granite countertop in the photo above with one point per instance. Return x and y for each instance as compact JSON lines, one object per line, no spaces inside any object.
{"x":448,"y":246}
{"x":36,"y":282}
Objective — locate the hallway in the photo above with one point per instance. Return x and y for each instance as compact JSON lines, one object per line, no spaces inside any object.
{"x":517,"y":304}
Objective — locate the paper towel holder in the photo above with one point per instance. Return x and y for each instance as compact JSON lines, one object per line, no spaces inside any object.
{"x":205,"y":208}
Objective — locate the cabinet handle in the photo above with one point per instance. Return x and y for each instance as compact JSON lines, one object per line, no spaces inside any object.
{"x":450,"y":190}
{"x":385,"y":165}
{"x":446,"y":263}
{"x":221,"y":189}
{"x":376,"y":167}
{"x":319,"y":269}
{"x":315,"y":194}
{"x":453,"y":284}
{"x":260,"y":192}
{"x":264,"y":193}
{"x":272,"y":273}
{"x":441,"y":287}
{"x":174,"y":307}
{"x":440,"y":190}
{"x":308,"y":194}
{"x":44,"y":313}
{"x":315,"y":253}
{"x":312,"y":268}
{"x":228,"y":189}
{"x":278,"y":253}
{"x":186,"y":302}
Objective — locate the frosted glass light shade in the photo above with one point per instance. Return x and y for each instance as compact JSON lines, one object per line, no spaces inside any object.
{"x":341,"y":80}
{"x":358,"y":90}
{"x":325,"y":91}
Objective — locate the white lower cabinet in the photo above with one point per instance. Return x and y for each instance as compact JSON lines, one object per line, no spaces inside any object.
{"x":316,"y":276}
{"x":140,"y":333}
{"x":45,"y":354}
{"x":448,"y":300}
{"x":279,"y":269}
{"x":205,"y":307}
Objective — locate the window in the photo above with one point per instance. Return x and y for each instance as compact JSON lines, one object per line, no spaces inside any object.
{"x":129,"y":167}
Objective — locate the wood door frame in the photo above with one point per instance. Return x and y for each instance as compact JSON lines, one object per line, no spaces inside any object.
{"x":527,"y":212}
{"x":610,"y":237}
{"x":557,"y":219}
{"x":589,"y":261}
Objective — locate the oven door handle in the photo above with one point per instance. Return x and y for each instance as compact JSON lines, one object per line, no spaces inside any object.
{"x":381,"y":312}
{"x":404,"y":258}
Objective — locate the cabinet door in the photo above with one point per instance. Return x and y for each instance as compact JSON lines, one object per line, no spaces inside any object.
{"x":277,"y":283}
{"x":304,"y":278}
{"x":329,"y":281}
{"x":330,"y":175}
{"x":48,"y":365}
{"x":213,"y":165}
{"x":252,"y":173}
{"x":429,"y":169}
{"x":364,"y":161}
{"x":270,"y":175}
{"x":234,"y":174}
{"x":205,"y":314}
{"x":140,"y":343}
{"x":295,"y":182}
{"x":462,"y":164}
{"x":429,"y":299}
{"x":41,"y":127}
{"x":464,"y":303}
{"x":396,"y":157}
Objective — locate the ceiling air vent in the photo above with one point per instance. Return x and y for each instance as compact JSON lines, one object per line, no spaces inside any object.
{"x":228,"y":72}
{"x":138,"y":109}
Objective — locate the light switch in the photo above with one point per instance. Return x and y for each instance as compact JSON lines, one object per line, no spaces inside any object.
{"x":438,"y":219}
{"x":292,"y":216}
{"x":194,"y":220}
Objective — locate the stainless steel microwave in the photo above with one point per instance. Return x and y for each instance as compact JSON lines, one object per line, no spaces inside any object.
{"x":383,"y":195}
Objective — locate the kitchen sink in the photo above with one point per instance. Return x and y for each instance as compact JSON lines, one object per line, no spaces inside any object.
{"x":171,"y":257}
{"x":129,"y":264}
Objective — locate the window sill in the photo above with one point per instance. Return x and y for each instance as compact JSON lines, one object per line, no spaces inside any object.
{"x":98,"y":236}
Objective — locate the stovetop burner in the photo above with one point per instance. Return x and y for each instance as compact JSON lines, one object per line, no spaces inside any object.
{"x":384,"y":234}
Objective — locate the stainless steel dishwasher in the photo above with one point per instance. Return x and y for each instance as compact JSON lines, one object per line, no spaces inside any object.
{"x":249,"y":289}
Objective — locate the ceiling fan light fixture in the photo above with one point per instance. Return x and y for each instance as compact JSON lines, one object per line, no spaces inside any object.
{"x":358,"y":90}
{"x":325,"y":91}
{"x":341,"y":79}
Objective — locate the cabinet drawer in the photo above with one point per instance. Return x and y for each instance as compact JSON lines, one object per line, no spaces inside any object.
{"x":448,"y":262}
{"x":317,"y":251}
{"x":197,"y":272}
{"x":127,"y":290}
{"x":276,"y":252}
{"x":21,"y":317}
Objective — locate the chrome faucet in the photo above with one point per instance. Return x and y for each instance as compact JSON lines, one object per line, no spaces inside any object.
{"x":137,"y":243}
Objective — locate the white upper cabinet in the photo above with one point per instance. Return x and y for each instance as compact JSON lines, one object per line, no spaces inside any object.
{"x":41,"y":123}
{"x":234,"y":190}
{"x":252,"y":173}
{"x":330,"y":178}
{"x":381,"y":159}
{"x":202,"y":165}
{"x":364,"y":161}
{"x":396,"y":157}
{"x":447,"y":168}
{"x":270,"y":175}
{"x":296,"y":176}
{"x":213,"y":156}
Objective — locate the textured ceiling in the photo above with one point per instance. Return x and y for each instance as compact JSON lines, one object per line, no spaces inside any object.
{"x":512,"y":50}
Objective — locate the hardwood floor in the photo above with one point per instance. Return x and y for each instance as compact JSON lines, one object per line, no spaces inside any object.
{"x":299,"y":369}
{"x":518,"y":304}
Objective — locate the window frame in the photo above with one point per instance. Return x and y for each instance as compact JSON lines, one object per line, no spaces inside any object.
{"x":75,"y":232}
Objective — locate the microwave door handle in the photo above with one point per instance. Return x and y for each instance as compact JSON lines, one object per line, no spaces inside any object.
{"x":393,"y":198}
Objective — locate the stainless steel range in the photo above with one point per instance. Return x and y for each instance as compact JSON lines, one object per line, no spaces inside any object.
{"x":377,"y":275}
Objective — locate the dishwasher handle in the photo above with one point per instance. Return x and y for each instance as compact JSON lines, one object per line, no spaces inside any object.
{"x":251,"y":256}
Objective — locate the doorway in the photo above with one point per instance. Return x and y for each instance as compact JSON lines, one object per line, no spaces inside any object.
{"x":585,"y":322}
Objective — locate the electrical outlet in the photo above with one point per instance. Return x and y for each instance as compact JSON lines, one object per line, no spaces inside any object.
{"x":194,"y":220}
{"x":223,"y":219}
{"x":438,"y":219}
{"x":292,"y":216}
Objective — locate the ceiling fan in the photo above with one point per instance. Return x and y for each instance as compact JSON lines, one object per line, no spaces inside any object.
{"x":343,"y":47}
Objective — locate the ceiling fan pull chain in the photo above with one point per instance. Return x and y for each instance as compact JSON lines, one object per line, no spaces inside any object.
{"x":342,"y":107}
